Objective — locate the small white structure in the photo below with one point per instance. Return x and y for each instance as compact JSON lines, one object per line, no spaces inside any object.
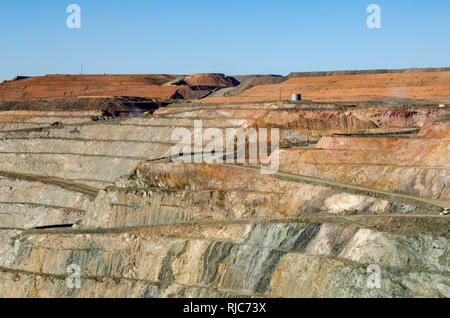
{"x":296,"y":97}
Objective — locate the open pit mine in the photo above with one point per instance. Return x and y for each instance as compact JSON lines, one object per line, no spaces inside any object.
{"x":93,"y":202}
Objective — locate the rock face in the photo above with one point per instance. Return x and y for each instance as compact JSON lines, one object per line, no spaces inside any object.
{"x":355,"y":209}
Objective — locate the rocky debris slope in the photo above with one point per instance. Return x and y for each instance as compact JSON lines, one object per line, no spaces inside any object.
{"x":358,"y":189}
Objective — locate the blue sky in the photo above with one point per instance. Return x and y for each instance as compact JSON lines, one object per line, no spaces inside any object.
{"x":232,"y":37}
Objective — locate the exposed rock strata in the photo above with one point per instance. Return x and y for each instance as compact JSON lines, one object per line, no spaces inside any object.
{"x":357,"y":187}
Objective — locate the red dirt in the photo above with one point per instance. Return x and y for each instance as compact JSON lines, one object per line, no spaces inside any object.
{"x":66,"y":86}
{"x":145,"y":86}
{"x":209,"y":80}
{"x":429,"y":86}
{"x":425,"y":86}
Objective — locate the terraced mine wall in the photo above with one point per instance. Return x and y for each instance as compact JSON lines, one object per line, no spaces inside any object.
{"x":358,"y":188}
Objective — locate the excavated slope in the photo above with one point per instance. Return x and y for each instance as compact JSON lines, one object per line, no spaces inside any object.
{"x":357,"y":187}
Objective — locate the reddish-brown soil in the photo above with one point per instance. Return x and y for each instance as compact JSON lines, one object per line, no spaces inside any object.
{"x":209,"y":80}
{"x":428,"y":86}
{"x":145,"y":86}
{"x":67,"y":86}
{"x":424,"y":87}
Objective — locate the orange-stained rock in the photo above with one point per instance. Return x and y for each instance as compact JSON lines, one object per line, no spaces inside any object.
{"x":436,"y":129}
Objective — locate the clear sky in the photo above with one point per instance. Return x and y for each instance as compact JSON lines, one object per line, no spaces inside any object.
{"x":231,"y":37}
